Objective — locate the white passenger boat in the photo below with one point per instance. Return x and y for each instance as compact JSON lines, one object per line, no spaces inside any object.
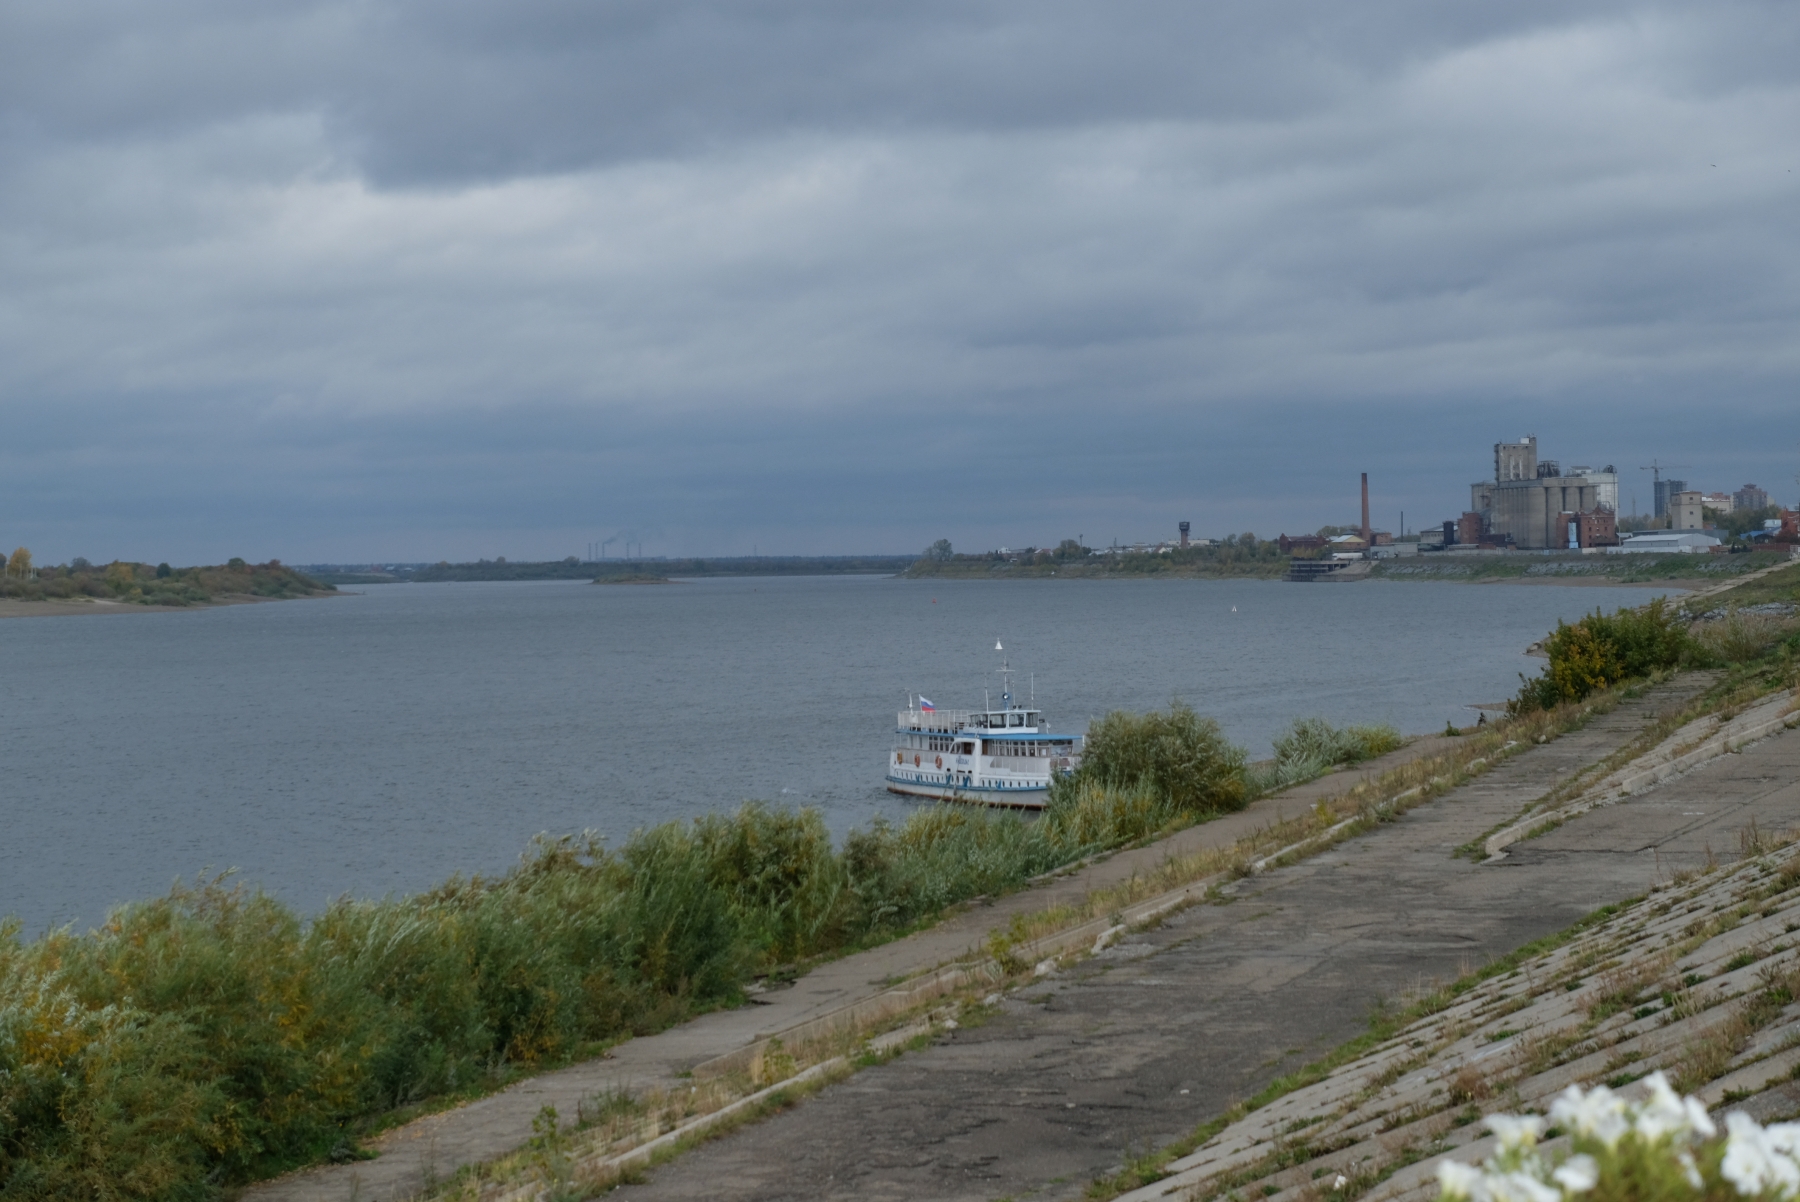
{"x":998,"y":757}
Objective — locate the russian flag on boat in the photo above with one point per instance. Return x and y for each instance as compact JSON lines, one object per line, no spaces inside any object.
{"x":927,"y":706}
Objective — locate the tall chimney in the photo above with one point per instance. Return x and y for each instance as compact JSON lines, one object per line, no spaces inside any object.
{"x":1367,"y":536}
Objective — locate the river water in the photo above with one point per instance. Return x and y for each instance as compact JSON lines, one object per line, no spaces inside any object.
{"x":381,"y":741}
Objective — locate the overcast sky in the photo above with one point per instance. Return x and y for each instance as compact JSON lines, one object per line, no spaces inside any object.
{"x":423,"y":279}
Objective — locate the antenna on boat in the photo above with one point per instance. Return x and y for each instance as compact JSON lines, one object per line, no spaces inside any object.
{"x":1006,"y":697}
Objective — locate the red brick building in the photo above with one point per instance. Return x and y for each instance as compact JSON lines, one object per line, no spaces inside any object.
{"x":1596,"y":528}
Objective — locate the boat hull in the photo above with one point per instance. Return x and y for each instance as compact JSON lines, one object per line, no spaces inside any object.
{"x":1014,"y":797}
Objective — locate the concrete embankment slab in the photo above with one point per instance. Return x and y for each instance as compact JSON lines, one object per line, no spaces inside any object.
{"x":1127,"y":1051}
{"x":432,"y":1148}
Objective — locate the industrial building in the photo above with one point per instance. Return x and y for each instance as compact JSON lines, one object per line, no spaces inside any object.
{"x":1687,"y":510}
{"x":1665,"y":542}
{"x":1605,"y":481}
{"x":1531,"y":504}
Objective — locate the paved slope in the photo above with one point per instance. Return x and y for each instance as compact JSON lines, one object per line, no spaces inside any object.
{"x":432,"y":1148}
{"x":1139,"y":1045}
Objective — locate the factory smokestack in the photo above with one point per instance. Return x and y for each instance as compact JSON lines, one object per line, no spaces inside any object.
{"x":1366,"y":533}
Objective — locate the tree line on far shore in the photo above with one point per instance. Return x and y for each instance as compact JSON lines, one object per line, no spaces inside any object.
{"x":1234,"y":555}
{"x":151,"y":584}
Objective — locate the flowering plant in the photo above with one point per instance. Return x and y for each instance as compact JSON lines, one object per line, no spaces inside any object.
{"x":1663,"y":1147}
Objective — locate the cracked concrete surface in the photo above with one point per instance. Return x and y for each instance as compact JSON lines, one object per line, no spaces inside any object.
{"x":1071,"y":1076}
{"x":433,"y":1147}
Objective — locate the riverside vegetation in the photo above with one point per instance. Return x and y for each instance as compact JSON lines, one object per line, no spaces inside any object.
{"x":213,"y":1036}
{"x":1602,"y":650}
{"x":146,"y":584}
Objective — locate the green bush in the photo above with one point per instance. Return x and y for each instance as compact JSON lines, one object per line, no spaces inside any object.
{"x":1178,"y":753}
{"x":1600,"y":651}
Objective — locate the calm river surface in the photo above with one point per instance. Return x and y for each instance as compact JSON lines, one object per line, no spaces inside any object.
{"x":380,"y":742}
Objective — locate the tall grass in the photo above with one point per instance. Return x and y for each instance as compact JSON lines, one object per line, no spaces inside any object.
{"x":1738,"y":637}
{"x":213,"y":1036}
{"x":1312,"y":747}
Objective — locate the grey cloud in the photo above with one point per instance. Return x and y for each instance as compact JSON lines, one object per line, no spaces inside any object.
{"x":445,"y":92}
{"x":407,"y":280}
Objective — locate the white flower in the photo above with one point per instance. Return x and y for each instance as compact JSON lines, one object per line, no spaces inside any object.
{"x":1598,"y":1114}
{"x":1699,"y":1122}
{"x":1515,"y":1130}
{"x":1784,"y":1136}
{"x":1578,"y":1174}
{"x":1753,"y":1161}
{"x":1668,"y":1113}
{"x":1520,"y":1187}
{"x":1459,"y":1180}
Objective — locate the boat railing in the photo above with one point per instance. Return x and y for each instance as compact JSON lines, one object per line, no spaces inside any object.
{"x":949,"y":720}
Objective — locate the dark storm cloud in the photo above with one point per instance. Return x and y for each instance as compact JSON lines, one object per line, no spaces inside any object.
{"x":410,"y":279}
{"x":429,"y":91}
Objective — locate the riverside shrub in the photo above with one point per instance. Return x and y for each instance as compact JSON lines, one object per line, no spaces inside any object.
{"x":1600,"y":651}
{"x":1178,"y":753}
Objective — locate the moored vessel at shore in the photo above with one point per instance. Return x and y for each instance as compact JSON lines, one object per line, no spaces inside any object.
{"x":999,"y":757}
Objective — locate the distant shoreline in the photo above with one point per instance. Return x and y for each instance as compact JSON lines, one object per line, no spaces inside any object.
{"x":13,"y":608}
{"x":1673,"y":583}
{"x":1682,"y":583}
